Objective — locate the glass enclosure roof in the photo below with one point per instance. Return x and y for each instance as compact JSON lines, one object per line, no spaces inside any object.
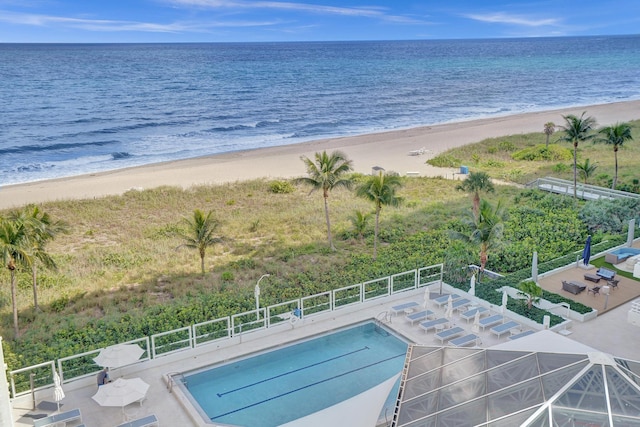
{"x":454,"y":387}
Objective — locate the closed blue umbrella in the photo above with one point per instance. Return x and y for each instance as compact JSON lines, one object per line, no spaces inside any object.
{"x":586,"y":253}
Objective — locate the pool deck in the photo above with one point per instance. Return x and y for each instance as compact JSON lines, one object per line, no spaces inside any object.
{"x":609,"y":333}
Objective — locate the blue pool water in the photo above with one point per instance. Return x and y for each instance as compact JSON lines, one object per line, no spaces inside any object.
{"x":626,"y":251}
{"x":280,"y":386}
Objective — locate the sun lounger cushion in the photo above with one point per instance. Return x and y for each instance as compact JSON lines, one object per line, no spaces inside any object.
{"x":62,"y":417}
{"x":460,"y":304}
{"x":521,"y":334}
{"x":418,"y":316}
{"x":491,"y":320}
{"x":448,"y":334}
{"x":149,"y":420}
{"x":465,"y":340}
{"x":402,"y":307}
{"x":440,"y":301}
{"x":505,"y":327}
{"x":471,"y":313}
{"x":431,"y":324}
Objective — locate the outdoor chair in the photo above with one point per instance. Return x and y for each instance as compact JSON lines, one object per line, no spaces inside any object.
{"x":433,"y":324}
{"x":402,"y":307}
{"x":450,"y":333}
{"x":491,"y":321}
{"x":61,"y":418}
{"x":605,"y":273}
{"x":595,"y":290}
{"x":419,"y":316}
{"x":505,"y":328}
{"x":613,"y":283}
{"x":149,"y":420}
{"x":470,"y":314}
{"x":465,"y":340}
{"x":444,"y":299}
{"x":521,"y":334}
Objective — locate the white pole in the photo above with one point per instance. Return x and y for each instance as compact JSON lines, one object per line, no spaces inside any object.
{"x":256,"y":293}
{"x":6,"y":419}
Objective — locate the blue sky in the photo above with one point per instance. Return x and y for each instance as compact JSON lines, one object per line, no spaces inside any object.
{"x":247,"y":20}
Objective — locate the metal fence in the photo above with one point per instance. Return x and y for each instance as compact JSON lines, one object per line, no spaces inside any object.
{"x":28,"y":379}
{"x":583,"y":191}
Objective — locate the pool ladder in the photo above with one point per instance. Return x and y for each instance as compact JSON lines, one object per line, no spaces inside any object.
{"x":172,"y":380}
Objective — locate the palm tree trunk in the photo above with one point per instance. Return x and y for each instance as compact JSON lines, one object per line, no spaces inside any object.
{"x":375,"y":234}
{"x":615,"y":174}
{"x":14,"y":301}
{"x":575,"y":170}
{"x":326,"y":216}
{"x":34,"y":278}
{"x":202,"y":253}
{"x":547,"y":140}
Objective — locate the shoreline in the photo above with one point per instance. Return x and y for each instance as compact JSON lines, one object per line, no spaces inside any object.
{"x":389,"y":150}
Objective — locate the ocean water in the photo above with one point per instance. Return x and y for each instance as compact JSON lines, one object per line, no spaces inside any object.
{"x":70,"y":109}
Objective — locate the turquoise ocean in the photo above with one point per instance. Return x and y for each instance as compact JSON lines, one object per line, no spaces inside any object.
{"x":70,"y":109}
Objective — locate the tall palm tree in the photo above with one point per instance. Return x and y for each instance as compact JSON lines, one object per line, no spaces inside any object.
{"x":41,"y":229}
{"x":327,"y":172}
{"x":14,"y":250}
{"x":587,"y":169}
{"x":381,"y":190}
{"x":199,"y":233}
{"x":485,"y":230}
{"x":475,"y":183}
{"x":549,"y":129}
{"x":615,"y":135}
{"x":576,"y":130}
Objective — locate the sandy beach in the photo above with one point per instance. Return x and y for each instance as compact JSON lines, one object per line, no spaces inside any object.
{"x":389,"y":150}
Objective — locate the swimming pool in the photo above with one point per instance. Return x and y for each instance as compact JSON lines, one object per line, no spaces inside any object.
{"x":279,"y":386}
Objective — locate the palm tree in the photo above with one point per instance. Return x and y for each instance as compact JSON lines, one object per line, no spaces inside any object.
{"x":474,"y":184}
{"x":577,"y":129}
{"x":615,"y":135}
{"x":360,"y":220}
{"x":486,"y":230}
{"x":531,"y":292}
{"x":549,"y":129}
{"x":381,"y":190}
{"x":14,"y":250}
{"x":326,"y":173}
{"x":199,"y":234}
{"x":41,"y":230}
{"x":587,"y":169}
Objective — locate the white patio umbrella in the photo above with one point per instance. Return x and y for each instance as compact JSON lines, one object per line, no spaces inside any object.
{"x":121,"y":392}
{"x":426,"y":297}
{"x":118,"y":355}
{"x":505,"y":299}
{"x":534,"y":267}
{"x":472,"y":290}
{"x":476,"y":322}
{"x":449,"y":311}
{"x":58,"y":392}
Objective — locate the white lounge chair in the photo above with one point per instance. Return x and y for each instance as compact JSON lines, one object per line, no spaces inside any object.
{"x":61,"y":418}
{"x":450,"y":333}
{"x":440,"y":301}
{"x":505,"y":328}
{"x":487,"y":322}
{"x":432,"y":324}
{"x":470,"y":314}
{"x":149,"y":420}
{"x":402,"y":307}
{"x":465,"y":340}
{"x":419,"y":316}
{"x":521,"y":334}
{"x":461,"y":304}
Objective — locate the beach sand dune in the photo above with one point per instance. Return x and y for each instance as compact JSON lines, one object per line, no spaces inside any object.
{"x":389,"y":150}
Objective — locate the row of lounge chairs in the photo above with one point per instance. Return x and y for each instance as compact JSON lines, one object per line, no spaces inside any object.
{"x":456,"y":335}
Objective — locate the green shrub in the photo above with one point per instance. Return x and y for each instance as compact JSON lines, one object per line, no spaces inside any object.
{"x":561,"y":167}
{"x":227,"y":276}
{"x":543,"y":153}
{"x":444,"y":161}
{"x":506,"y":146}
{"x":281,"y":187}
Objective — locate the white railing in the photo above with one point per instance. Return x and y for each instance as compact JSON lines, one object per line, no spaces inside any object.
{"x":215,"y":330}
{"x":583,"y":191}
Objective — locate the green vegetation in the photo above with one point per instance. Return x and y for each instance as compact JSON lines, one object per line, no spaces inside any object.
{"x":119,"y":276}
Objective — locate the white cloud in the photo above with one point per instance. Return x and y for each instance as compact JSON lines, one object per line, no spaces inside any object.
{"x":505,"y":18}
